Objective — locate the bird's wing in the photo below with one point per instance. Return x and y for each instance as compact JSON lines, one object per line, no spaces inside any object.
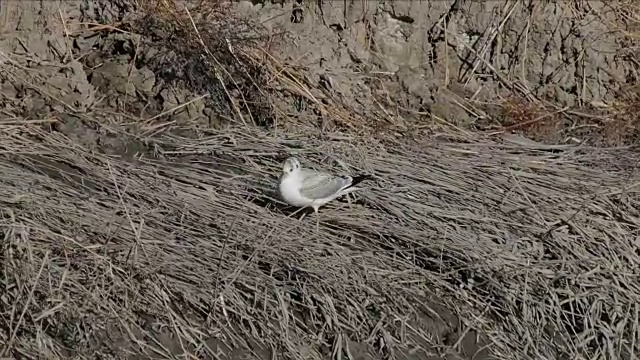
{"x":318,"y":185}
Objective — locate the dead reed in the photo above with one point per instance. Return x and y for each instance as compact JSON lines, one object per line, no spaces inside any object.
{"x":536,"y":250}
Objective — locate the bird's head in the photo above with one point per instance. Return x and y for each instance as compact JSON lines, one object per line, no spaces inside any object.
{"x":290,"y":165}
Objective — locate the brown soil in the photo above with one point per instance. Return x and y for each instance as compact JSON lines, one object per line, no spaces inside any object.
{"x":110,"y":75}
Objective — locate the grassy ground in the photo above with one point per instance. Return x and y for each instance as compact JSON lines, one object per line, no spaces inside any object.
{"x":533,"y":249}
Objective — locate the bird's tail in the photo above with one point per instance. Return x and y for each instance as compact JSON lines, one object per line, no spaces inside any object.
{"x":358,"y":179}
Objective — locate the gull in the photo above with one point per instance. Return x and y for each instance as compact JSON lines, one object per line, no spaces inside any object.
{"x":309,"y":188}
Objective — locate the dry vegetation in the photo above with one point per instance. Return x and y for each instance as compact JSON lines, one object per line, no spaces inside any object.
{"x":186,"y":250}
{"x":547,"y":241}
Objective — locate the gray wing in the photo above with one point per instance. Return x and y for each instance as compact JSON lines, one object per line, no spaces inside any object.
{"x":317,"y":185}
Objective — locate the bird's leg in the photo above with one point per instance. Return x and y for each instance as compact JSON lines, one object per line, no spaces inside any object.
{"x":348,"y":196}
{"x":317,"y":214}
{"x":348,"y":193}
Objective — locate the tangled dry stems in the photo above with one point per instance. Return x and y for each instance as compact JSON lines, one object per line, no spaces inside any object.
{"x":537,"y":250}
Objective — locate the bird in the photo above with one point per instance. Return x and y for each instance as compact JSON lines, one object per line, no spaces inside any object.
{"x":302,"y":187}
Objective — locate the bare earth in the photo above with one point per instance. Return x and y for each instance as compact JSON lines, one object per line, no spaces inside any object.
{"x":140,"y":143}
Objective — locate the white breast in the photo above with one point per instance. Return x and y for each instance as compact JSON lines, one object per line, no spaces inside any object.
{"x":290,"y":191}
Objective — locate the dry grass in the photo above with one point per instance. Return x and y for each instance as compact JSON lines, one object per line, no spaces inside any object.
{"x":549,"y":241}
{"x":616,"y":125}
{"x":212,"y":51}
